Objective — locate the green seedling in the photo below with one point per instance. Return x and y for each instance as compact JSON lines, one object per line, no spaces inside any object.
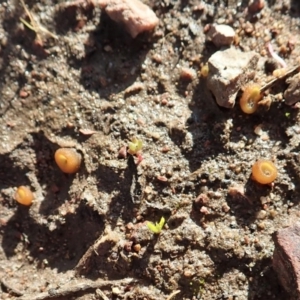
{"x":135,"y":146}
{"x":197,"y":287}
{"x":157,"y":227}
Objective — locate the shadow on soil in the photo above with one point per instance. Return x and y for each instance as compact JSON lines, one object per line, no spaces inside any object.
{"x":21,"y":42}
{"x":112,"y":58}
{"x":125,"y":188}
{"x":263,"y":276}
{"x":58,"y":248}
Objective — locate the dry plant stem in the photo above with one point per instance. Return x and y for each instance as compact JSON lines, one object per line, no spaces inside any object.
{"x":101,"y":294}
{"x":10,"y":288}
{"x":276,"y":56}
{"x":35,"y":26}
{"x":109,"y":237}
{"x":273,"y":81}
{"x":68,"y":290}
{"x":173,"y":294}
{"x":79,"y":3}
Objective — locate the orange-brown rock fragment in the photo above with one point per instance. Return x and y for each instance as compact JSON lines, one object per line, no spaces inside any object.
{"x":134,"y":15}
{"x":286,"y":259}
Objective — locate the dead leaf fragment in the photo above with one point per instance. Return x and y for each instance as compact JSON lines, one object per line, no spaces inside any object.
{"x":87,"y":131}
{"x":162,"y":178}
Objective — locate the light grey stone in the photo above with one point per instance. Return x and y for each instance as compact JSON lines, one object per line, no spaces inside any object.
{"x":229,"y":70}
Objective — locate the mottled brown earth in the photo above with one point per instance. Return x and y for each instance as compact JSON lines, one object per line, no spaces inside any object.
{"x":85,"y":236}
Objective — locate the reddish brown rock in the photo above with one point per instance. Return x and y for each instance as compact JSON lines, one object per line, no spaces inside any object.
{"x":286,"y":259}
{"x":134,"y":15}
{"x":292,"y":93}
{"x":255,"y":6}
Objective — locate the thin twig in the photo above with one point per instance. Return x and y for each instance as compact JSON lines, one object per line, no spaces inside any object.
{"x":273,"y":81}
{"x":68,"y":290}
{"x":101,"y":294}
{"x":173,"y":294}
{"x":100,"y":247}
{"x":10,"y":288}
{"x":34,"y":25}
{"x":82,"y":3}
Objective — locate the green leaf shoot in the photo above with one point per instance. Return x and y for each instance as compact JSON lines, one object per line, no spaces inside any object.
{"x":135,"y":146}
{"x":157,"y":227}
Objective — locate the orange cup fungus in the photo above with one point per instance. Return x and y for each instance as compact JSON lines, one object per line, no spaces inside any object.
{"x":24,"y":195}
{"x":264,"y":171}
{"x":250,"y":98}
{"x":68,"y":160}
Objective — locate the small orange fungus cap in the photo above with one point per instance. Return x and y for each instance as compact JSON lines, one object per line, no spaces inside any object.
{"x":250,"y":98}
{"x":24,"y":195}
{"x":68,"y":160}
{"x":264,"y":171}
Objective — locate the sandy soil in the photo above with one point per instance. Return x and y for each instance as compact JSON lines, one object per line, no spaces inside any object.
{"x":85,"y":236}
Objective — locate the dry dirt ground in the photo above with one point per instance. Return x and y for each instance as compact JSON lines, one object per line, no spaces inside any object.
{"x":85,"y":236}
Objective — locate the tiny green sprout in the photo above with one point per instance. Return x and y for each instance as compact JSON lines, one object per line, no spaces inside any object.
{"x":157,"y":227}
{"x":287,"y":114}
{"x":135,"y":146}
{"x":202,"y":281}
{"x":197,"y":287}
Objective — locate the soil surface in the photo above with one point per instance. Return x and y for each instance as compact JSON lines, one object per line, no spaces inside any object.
{"x":90,"y":86}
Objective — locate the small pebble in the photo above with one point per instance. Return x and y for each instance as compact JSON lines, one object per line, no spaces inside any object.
{"x":221,"y":35}
{"x":261,"y":214}
{"x":188,"y":74}
{"x":137,"y":248}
